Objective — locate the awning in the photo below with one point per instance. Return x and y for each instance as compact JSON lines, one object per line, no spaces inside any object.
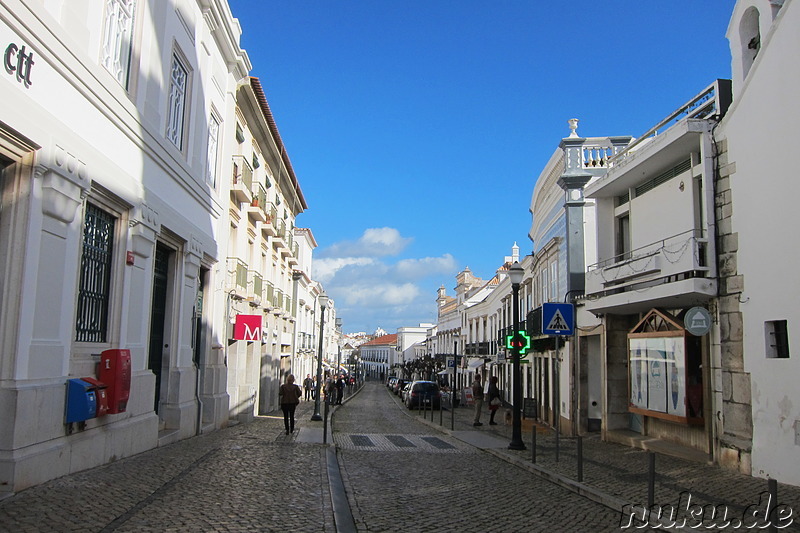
{"x":444,"y":372}
{"x":475,"y":363}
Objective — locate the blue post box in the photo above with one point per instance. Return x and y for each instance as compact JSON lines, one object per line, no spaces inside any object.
{"x":81,"y":401}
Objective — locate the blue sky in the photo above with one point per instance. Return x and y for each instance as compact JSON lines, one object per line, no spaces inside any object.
{"x":417,"y":128}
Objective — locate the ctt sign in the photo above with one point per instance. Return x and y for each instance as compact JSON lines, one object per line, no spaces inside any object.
{"x":18,"y":62}
{"x":247,"y":328}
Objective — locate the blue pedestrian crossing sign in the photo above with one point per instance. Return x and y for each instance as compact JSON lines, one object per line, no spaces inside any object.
{"x":558,"y":319}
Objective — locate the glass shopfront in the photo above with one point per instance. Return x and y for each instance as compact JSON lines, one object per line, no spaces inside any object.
{"x":665,"y":371}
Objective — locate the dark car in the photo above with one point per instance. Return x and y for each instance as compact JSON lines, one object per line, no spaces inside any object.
{"x":398,"y":385}
{"x":424,"y":393}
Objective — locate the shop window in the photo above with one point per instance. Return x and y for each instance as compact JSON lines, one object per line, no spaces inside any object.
{"x":94,"y":289}
{"x":665,"y":370}
{"x":777,"y":338}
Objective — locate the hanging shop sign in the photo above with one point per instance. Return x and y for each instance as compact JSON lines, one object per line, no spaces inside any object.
{"x":697,"y":321}
{"x":247,"y":328}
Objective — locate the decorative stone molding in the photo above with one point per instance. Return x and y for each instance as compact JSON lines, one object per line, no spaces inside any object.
{"x":64,"y":182}
{"x":192,"y":257}
{"x":144,"y":226}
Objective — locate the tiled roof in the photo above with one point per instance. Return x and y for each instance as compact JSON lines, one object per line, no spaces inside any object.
{"x":390,"y":340}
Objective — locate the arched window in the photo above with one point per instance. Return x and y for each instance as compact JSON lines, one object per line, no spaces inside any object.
{"x":749,"y":38}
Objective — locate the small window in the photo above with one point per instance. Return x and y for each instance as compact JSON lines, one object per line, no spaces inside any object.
{"x":777,"y":339}
{"x":117,"y":31}
{"x":94,"y":290}
{"x":177,"y":102}
{"x":213,"y":150}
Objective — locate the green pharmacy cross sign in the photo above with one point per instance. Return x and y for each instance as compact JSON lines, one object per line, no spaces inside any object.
{"x":518,"y":343}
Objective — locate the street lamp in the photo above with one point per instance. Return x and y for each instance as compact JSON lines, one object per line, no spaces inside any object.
{"x":515,"y":274}
{"x":323,"y":303}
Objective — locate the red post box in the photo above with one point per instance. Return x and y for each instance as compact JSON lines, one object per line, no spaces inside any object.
{"x":101,"y":395}
{"x":115,"y":371}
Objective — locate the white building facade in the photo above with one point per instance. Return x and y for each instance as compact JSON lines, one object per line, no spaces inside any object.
{"x":110,"y":155}
{"x":756,"y":194}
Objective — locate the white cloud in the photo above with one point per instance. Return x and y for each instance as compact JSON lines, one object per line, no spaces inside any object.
{"x":374,"y":242}
{"x":426,"y":266}
{"x":326,"y":269}
{"x":377,"y":295}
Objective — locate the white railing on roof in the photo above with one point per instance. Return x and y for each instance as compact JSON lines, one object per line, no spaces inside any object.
{"x":714,"y":100}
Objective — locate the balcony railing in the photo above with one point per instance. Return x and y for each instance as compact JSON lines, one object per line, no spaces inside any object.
{"x":237,"y":274}
{"x":269,"y":294}
{"x":242,"y":179}
{"x":714,"y":100}
{"x":256,"y":283}
{"x":258,"y":204}
{"x":676,"y":257}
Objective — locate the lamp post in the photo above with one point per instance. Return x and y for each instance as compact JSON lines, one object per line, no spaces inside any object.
{"x":323,"y":303}
{"x":453,"y":385}
{"x":515,"y":274}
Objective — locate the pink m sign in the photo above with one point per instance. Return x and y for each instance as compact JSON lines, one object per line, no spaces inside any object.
{"x":247,"y":328}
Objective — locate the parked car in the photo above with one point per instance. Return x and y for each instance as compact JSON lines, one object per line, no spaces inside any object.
{"x":398,"y":386}
{"x":391,"y":381}
{"x":424,"y":393}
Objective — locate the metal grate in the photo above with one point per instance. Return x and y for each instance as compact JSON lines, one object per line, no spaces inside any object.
{"x":95,"y":284}
{"x":436,"y":442}
{"x":362,"y":440}
{"x":400,"y":441}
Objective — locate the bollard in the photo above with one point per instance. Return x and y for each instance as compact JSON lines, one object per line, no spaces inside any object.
{"x":580,"y":459}
{"x":651,"y":479}
{"x":452,"y":411}
{"x":533,"y":445}
{"x":325,"y":424}
{"x":557,"y":442}
{"x":772,"y":487}
{"x":441,"y":415}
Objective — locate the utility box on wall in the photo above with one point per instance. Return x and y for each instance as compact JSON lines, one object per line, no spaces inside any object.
{"x":115,"y":372}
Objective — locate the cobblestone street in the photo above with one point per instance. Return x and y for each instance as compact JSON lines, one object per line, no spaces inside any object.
{"x":403,"y":475}
{"x":391,"y":469}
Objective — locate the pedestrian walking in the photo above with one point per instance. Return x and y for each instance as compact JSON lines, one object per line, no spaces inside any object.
{"x":339,"y":389}
{"x":330,"y":389}
{"x":308,"y":385}
{"x":289,"y":395}
{"x":493,"y":397}
{"x":477,"y":397}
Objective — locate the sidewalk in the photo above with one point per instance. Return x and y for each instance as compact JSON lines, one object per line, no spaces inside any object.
{"x":232,"y":479}
{"x":617,"y":475}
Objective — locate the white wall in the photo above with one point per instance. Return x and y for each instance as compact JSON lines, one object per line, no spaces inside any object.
{"x":760,"y":129}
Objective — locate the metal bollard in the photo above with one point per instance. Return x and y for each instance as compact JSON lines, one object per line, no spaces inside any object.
{"x":325,"y":423}
{"x":651,"y":479}
{"x":772,"y":487}
{"x":533,"y":445}
{"x":580,"y":459}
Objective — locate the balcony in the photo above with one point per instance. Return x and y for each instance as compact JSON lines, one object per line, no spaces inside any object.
{"x":255,"y":283}
{"x":673,"y":272}
{"x":277,"y":302}
{"x":242,"y":180}
{"x":267,"y":226}
{"x":257,"y":211}
{"x":236,"y":278}
{"x":288,"y":241}
{"x":269,"y":295}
